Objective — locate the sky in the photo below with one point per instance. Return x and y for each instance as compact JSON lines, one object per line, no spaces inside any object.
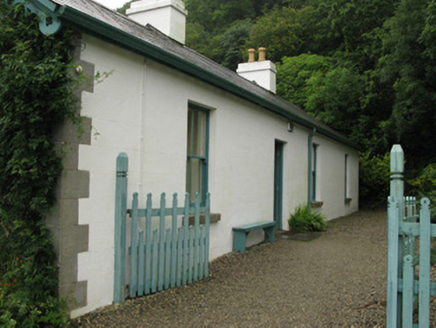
{"x":113,"y":4}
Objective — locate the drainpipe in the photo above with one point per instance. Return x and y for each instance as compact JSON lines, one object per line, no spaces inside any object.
{"x":310,"y":143}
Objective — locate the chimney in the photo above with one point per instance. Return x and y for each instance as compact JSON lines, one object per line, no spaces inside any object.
{"x":168,"y":16}
{"x":263,"y":71}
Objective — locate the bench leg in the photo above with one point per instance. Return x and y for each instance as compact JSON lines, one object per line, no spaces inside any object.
{"x":239,"y":238}
{"x":269,"y":234}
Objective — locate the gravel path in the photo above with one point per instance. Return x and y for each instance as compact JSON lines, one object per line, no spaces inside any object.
{"x":336,"y":280}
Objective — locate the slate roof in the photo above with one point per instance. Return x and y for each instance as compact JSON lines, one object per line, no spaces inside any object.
{"x":109,"y":25}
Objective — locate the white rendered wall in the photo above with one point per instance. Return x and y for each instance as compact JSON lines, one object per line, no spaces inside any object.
{"x":116,"y":127}
{"x":141,"y":109}
{"x":330,"y":184}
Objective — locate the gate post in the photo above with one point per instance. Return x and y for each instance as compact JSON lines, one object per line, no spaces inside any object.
{"x":120,"y":227}
{"x":397,"y":194}
{"x":397,"y":183}
{"x":393,"y":306}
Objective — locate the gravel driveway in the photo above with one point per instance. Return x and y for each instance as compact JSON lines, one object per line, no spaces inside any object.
{"x":336,"y":280}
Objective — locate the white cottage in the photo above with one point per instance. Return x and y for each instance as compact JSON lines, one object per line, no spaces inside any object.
{"x":186,"y":124}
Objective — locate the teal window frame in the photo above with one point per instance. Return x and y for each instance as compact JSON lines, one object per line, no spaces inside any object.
{"x":314,"y":170}
{"x":190,"y":154}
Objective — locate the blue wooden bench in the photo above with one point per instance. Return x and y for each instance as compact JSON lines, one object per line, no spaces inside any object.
{"x":240,"y":233}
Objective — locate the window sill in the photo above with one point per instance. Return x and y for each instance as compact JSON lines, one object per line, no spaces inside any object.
{"x":348,"y":200}
{"x":316,"y":204}
{"x":214,"y":218}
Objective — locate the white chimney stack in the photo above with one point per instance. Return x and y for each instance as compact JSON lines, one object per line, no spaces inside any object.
{"x":263,"y":72}
{"x":168,"y":16}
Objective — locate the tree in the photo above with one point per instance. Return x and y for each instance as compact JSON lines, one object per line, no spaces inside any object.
{"x":225,"y":48}
{"x":350,"y":20}
{"x":294,"y":73}
{"x":216,"y":16}
{"x":278,"y":32}
{"x":232,"y":43}
{"x":203,"y":41}
{"x":334,"y":98}
{"x":409,"y":65}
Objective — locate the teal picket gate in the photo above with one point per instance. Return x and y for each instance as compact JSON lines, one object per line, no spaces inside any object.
{"x":407,"y":292}
{"x":165,"y":251}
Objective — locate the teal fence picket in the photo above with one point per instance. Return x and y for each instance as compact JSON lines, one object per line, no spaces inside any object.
{"x":167,"y":259}
{"x":408,"y":291}
{"x":154,"y":263}
{"x":160,"y":280}
{"x":141,"y":263}
{"x":180,"y":256}
{"x":197,"y":235}
{"x":191,"y":254}
{"x":185,"y":240}
{"x":207,"y":222}
{"x":134,"y":247}
{"x":148,"y":212}
{"x":424,"y":264}
{"x":201,"y":254}
{"x":174,"y":241}
{"x":392,"y":275}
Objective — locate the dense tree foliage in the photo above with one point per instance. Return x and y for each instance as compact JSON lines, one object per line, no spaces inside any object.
{"x":409,"y":65}
{"x":220,"y":29}
{"x":294,"y":74}
{"x":278,"y":31}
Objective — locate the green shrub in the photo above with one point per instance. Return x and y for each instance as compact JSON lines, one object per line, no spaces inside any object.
{"x":306,"y":220}
{"x":425,"y":182}
{"x":28,"y":280}
{"x":424,"y":185}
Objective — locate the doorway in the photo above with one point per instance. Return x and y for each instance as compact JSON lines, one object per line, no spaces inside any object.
{"x":278,"y":183}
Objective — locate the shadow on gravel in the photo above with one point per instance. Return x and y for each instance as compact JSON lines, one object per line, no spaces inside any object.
{"x":307,"y":236}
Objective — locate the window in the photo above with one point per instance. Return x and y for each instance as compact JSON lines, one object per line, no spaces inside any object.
{"x":197,"y":153}
{"x":314,"y":160}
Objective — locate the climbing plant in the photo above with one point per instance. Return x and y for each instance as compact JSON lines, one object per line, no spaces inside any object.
{"x":36,"y":95}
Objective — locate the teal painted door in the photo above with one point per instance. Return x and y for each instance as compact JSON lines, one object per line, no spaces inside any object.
{"x":278,"y":183}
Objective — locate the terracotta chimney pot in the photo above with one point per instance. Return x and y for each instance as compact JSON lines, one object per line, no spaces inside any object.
{"x":262,"y":53}
{"x":251,"y":52}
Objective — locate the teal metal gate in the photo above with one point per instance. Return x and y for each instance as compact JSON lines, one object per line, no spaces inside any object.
{"x":405,"y":293}
{"x":169,"y":247}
